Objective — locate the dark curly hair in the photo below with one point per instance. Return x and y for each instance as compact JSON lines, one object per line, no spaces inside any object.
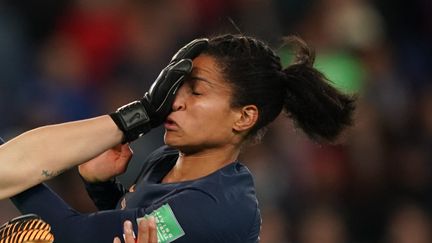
{"x":255,"y":72}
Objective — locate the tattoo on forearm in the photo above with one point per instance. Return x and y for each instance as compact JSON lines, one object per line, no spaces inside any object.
{"x":51,"y":174}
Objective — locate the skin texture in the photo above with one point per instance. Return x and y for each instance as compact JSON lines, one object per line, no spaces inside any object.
{"x":119,"y":157}
{"x":42,"y":153}
{"x":201,"y":111}
{"x":203,"y":126}
{"x":146,"y":232}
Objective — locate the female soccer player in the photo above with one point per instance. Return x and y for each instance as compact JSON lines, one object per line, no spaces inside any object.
{"x":195,"y":187}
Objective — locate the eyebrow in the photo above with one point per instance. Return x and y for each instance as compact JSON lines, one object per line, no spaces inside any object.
{"x":199,"y":78}
{"x":196,"y":71}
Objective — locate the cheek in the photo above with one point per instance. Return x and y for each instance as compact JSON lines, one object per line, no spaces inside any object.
{"x":215,"y":121}
{"x":217,"y":113}
{"x":204,"y":122}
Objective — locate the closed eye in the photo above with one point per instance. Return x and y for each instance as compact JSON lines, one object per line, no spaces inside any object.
{"x":195,"y":93}
{"x":196,"y":86}
{"x":194,"y":89}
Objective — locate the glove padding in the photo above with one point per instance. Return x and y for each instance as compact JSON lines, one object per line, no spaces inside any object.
{"x":139,"y":117}
{"x":25,"y":229}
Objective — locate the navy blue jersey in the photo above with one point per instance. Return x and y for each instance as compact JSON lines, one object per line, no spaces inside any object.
{"x":220,"y":207}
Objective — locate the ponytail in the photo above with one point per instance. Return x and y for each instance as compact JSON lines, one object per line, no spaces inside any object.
{"x":318,"y":108}
{"x":257,"y":77}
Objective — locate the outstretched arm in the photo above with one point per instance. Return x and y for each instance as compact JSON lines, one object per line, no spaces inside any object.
{"x":45,"y":152}
{"x":42,"y":153}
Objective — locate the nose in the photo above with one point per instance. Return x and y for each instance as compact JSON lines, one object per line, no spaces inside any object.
{"x":179,"y":100}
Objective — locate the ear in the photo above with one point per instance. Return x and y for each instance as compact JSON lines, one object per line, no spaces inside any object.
{"x":247,"y":117}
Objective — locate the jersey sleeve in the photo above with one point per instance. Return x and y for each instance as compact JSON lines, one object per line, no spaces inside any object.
{"x":198,"y":215}
{"x":105,"y":195}
{"x":68,"y":225}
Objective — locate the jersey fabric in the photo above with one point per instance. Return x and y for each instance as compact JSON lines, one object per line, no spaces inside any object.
{"x":220,"y":207}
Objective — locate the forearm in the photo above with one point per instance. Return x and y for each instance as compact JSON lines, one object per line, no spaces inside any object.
{"x":44,"y":152}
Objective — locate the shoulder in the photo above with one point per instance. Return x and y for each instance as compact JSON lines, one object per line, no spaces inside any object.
{"x":232,"y":184}
{"x":236,"y":182}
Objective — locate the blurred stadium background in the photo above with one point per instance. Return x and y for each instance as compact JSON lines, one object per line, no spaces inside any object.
{"x":72,"y":59}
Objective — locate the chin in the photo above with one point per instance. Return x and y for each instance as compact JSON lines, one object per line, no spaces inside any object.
{"x":182,"y":147}
{"x":174,"y":142}
{"x":169,"y":140}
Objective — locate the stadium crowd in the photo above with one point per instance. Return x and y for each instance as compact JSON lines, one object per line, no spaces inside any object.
{"x":73,"y":59}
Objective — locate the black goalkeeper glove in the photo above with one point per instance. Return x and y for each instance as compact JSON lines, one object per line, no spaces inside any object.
{"x":139,"y":117}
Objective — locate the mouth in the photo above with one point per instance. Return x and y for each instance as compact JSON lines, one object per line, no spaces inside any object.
{"x":170,"y":124}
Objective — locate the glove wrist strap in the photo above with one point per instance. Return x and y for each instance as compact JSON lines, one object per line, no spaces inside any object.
{"x":133,"y":120}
